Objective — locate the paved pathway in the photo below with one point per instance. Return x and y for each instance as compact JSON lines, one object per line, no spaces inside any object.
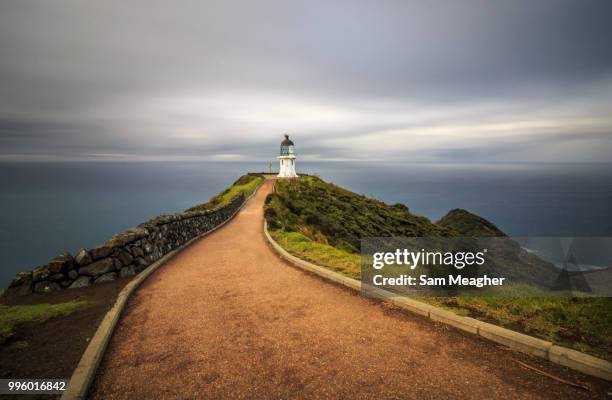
{"x":227,"y":319}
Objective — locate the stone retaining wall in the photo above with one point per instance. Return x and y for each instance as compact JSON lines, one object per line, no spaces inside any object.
{"x":125,"y":254}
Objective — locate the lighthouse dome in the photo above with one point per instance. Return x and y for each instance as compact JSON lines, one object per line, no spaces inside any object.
{"x":287,"y":141}
{"x":287,"y":147}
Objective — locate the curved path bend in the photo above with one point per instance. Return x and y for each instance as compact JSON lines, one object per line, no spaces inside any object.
{"x":227,"y":319}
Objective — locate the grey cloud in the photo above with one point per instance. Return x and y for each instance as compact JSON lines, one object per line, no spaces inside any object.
{"x":199,"y":79}
{"x":525,"y":148}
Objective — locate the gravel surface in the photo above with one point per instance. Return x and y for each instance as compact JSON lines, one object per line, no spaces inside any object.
{"x":227,"y":319}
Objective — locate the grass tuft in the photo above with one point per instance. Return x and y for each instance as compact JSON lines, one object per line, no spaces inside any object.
{"x":324,"y":255}
{"x":11,"y":316}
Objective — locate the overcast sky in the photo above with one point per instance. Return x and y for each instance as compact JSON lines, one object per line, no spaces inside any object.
{"x":448,"y":81}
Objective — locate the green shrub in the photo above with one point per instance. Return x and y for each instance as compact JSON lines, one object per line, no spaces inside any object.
{"x":246,"y":185}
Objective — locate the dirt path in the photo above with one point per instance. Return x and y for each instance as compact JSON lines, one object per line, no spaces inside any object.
{"x":226,"y":318}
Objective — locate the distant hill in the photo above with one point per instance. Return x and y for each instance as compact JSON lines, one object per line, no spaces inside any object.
{"x":467,"y":224}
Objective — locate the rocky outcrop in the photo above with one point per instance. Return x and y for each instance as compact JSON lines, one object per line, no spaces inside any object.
{"x":469,"y":225}
{"x":109,"y":277}
{"x":46,"y":287}
{"x":83,"y":257}
{"x":124,"y":254}
{"x":99,"y":267}
{"x":80,"y":282}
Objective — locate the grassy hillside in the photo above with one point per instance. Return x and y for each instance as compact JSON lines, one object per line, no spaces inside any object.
{"x":246,"y":184}
{"x":329,"y":214}
{"x":322,"y":223}
{"x":321,"y":254}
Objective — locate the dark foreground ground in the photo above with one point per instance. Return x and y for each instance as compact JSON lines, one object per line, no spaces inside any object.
{"x":55,"y":346}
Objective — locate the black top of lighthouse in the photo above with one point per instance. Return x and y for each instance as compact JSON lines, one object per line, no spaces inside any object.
{"x":286,"y":142}
{"x":287,"y":147}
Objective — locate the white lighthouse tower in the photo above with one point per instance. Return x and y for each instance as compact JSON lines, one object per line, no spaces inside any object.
{"x":287,"y":159}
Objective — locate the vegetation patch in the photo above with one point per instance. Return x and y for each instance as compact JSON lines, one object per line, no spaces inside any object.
{"x":470,"y":225}
{"x":584,"y":324}
{"x":245,"y":185}
{"x":324,"y":255}
{"x":329,"y":214}
{"x":323,"y":223}
{"x":11,"y":316}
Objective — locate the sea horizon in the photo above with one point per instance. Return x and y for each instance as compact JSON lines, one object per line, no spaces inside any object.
{"x":72,"y":204}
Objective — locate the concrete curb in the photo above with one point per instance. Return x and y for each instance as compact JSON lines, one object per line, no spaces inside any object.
{"x":517,"y":341}
{"x":84,"y":374}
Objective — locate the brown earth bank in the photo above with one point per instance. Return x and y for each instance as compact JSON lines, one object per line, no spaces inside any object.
{"x":54,"y":347}
{"x":226,"y":318}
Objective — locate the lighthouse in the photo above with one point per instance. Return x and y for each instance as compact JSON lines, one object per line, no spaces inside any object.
{"x":287,"y":159}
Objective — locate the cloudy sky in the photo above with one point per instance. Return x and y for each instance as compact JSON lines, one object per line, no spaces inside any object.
{"x":447,"y":81}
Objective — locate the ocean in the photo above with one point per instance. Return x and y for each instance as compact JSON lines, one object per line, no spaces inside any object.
{"x":50,"y":207}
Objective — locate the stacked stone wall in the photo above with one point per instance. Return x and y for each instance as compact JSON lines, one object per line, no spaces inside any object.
{"x":123,"y":255}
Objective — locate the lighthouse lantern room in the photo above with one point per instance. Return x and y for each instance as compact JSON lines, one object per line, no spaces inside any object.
{"x":287,"y":159}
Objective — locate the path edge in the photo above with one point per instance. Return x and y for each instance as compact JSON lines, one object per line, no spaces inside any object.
{"x":85,"y":371}
{"x":564,"y":356}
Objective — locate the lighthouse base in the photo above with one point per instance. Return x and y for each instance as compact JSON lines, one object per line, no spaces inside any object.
{"x":287,"y":168}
